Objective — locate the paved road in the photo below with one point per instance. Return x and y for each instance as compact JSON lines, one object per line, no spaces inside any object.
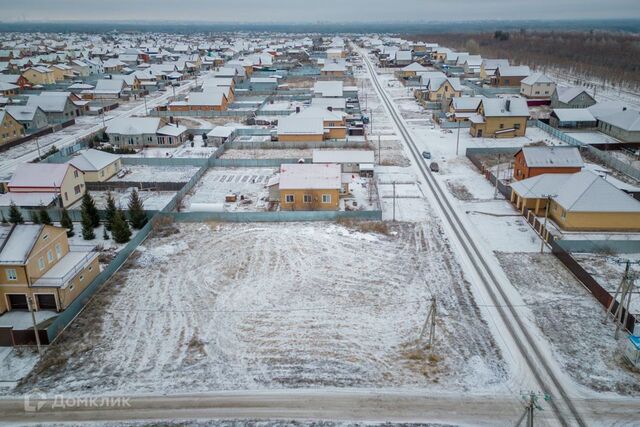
{"x":531,"y":353}
{"x":338,"y":405}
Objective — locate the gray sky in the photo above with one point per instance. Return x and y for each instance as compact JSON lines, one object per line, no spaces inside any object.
{"x":314,"y":10}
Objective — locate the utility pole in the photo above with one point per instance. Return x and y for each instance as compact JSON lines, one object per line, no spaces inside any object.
{"x":495,"y":191}
{"x":102,"y":110}
{"x":394,"y":201}
{"x":546,"y":217}
{"x":458,"y":138}
{"x":531,"y":404}
{"x":379,"y":152}
{"x":625,"y":290}
{"x":38,"y":145}
{"x":430,"y":322}
{"x":33,"y":319}
{"x":145,"y":105}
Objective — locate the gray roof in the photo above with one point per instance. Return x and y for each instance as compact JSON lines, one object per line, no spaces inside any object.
{"x":536,"y":78}
{"x":18,"y":243}
{"x":93,"y":160}
{"x":568,"y":94}
{"x":133,"y":125}
{"x":505,"y":107}
{"x":628,"y":120}
{"x":552,"y":156}
{"x":574,"y":115}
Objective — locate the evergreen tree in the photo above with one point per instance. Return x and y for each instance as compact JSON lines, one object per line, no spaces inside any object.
{"x":110,"y":211}
{"x":15,"y":217}
{"x":65,"y":221}
{"x":137,"y":215}
{"x":35,"y":218}
{"x":44,"y":216}
{"x":120,"y":229}
{"x":105,"y":235}
{"x":89,"y":208}
{"x":4,"y":220}
{"x":87,"y":227}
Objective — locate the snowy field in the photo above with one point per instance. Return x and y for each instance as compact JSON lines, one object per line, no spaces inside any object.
{"x":291,"y":153}
{"x":183,"y":151}
{"x":217,"y":183}
{"x":571,"y":319}
{"x":152,"y":200}
{"x":144,"y":173}
{"x":229,"y":306}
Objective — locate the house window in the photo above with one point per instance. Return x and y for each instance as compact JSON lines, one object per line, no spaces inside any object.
{"x":45,"y":237}
{"x":49,"y":256}
{"x":41,"y":263}
{"x":516,"y":126}
{"x":81,"y":277}
{"x":66,"y":196}
{"x":501,"y":125}
{"x":90,"y":268}
{"x":58,"y":250}
{"x":306,"y":198}
{"x":12,"y":274}
{"x":76,"y":189}
{"x":564,"y":214}
{"x":326,"y":198}
{"x":75,"y":174}
{"x":289,"y":198}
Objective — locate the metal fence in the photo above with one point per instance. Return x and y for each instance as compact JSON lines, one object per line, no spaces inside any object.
{"x":252,"y":145}
{"x":229,"y":163}
{"x":165,"y":161}
{"x":226,"y":113}
{"x":276,"y":216}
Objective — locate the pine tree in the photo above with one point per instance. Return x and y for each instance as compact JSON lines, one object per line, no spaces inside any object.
{"x":120,"y":229}
{"x":15,"y":217}
{"x":35,"y":218}
{"x":65,"y":221}
{"x":44,"y":216}
{"x":87,"y":227}
{"x":110,"y":211}
{"x":137,"y":215}
{"x":89,"y":208}
{"x":105,"y":235}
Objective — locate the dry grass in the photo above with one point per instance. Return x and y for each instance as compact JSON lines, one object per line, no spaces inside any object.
{"x":163,"y":226}
{"x":379,"y":227}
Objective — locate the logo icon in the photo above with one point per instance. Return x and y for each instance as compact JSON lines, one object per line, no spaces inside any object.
{"x":34,"y":401}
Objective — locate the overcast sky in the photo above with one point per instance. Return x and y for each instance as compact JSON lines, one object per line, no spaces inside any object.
{"x":314,"y":10}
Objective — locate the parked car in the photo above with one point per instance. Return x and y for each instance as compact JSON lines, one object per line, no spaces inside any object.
{"x":426,"y":154}
{"x":434,"y":167}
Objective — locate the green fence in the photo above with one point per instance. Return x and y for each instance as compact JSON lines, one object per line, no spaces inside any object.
{"x":64,"y":318}
{"x":252,"y":163}
{"x":276,"y":216}
{"x":165,"y":161}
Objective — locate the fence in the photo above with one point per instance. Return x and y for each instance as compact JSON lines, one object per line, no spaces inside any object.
{"x":557,"y":246}
{"x":454,"y":125}
{"x":276,"y":216}
{"x":155,"y":186}
{"x":36,"y":134}
{"x":252,"y":145}
{"x":230,"y":163}
{"x":603,"y":156}
{"x":70,"y":313}
{"x":165,"y":161}
{"x":612,"y":245}
{"x":226,"y":113}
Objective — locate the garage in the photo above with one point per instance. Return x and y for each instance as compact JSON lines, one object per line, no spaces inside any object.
{"x":18,"y":301}
{"x":46,"y":302}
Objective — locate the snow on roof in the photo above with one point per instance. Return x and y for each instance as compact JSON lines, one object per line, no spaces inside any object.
{"x":574,"y":115}
{"x":335,"y":103}
{"x":221,"y":132}
{"x":66,"y":265}
{"x":329,"y":88}
{"x":296,"y":125}
{"x":514,"y":71}
{"x":343,"y":156}
{"x":466,"y":102}
{"x":133,"y":125}
{"x":305,"y":176}
{"x":27,"y":199}
{"x":414,"y":67}
{"x":93,"y":160}
{"x":567,"y":94}
{"x":19,"y":242}
{"x":552,"y":156}
{"x":210,"y":96}
{"x":578,"y":192}
{"x":493,"y":64}
{"x":536,"y":78}
{"x":49,"y":101}
{"x":628,"y":120}
{"x":41,"y":175}
{"x":505,"y":107}
{"x":325,"y":114}
{"x":172,"y":130}
{"x":602,"y":109}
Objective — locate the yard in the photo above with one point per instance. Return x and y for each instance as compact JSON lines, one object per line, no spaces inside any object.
{"x":228,"y":306}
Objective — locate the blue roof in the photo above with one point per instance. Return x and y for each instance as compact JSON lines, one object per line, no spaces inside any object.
{"x":635,"y":340}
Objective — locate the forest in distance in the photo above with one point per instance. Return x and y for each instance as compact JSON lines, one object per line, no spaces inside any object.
{"x":610,"y":58}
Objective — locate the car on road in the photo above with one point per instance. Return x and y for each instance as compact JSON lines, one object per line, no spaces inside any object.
{"x":434,"y":167}
{"x":426,"y":154}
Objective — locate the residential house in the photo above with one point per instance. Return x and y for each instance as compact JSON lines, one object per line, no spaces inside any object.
{"x":537,"y":85}
{"x":137,"y":132}
{"x":208,"y":100}
{"x":96,"y":165}
{"x":38,"y":262}
{"x":571,"y":97}
{"x":350,"y":161}
{"x":221,"y":134}
{"x":60,"y":180}
{"x":59,"y":107}
{"x":15,"y":79}
{"x":81,"y":68}
{"x":62,"y":72}
{"x":500,"y":118}
{"x":510,"y":75}
{"x":108,"y":89}
{"x":300,"y":129}
{"x":462,"y":107}
{"x":334,"y":69}
{"x":533,"y":161}
{"x":443,"y":88}
{"x":10,"y":128}
{"x":572,"y":118}
{"x":328,"y":89}
{"x":31,"y":118}
{"x":411,"y":71}
{"x":333,"y":122}
{"x":307,"y":187}
{"x":488,"y":67}
{"x":623,"y":125}
{"x":39,"y":76}
{"x":581,"y":201}
{"x":472,"y":64}
{"x":8,"y":89}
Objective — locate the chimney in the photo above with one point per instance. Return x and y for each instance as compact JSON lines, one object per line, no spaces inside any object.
{"x":297,"y":109}
{"x":508,"y":105}
{"x":624,"y":108}
{"x":330,"y":108}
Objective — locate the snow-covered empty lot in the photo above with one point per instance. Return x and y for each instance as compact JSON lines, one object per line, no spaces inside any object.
{"x":231,"y":306}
